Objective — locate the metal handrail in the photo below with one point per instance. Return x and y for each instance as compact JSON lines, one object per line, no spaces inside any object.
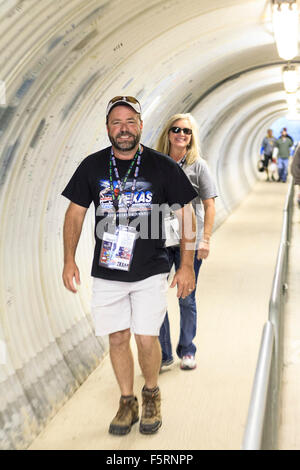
{"x":255,"y":423}
{"x":262,"y":423}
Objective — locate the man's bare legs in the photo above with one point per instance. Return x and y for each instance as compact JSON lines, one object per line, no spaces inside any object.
{"x":122,"y":360}
{"x":149,"y":355}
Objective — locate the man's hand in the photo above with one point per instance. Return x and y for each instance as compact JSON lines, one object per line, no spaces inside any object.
{"x":72,"y":228}
{"x":185,"y":280}
{"x":70,"y":271}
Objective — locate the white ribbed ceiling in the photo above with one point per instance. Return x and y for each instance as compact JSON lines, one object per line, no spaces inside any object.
{"x":61,"y":61}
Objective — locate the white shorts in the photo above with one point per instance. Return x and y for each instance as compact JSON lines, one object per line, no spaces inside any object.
{"x":140,"y":306}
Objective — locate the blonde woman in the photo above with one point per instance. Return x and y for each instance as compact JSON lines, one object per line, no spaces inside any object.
{"x":179,"y":140}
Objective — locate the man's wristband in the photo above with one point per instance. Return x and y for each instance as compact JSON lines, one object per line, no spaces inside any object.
{"x":205,"y":241}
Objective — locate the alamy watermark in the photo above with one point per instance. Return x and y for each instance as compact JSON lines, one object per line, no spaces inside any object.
{"x":159,"y":222}
{"x":2,"y":352}
{"x":2,"y":93}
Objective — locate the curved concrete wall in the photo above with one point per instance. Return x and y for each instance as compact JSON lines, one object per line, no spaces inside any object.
{"x":61,"y":62}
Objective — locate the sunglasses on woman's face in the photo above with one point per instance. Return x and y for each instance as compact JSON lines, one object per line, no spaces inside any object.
{"x":185,"y":130}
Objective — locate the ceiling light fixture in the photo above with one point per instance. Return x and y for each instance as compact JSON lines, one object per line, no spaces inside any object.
{"x":285,"y":25}
{"x":291,"y":99}
{"x":290,"y":78}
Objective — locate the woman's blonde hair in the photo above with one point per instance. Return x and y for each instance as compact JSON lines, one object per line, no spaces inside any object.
{"x":163,"y":143}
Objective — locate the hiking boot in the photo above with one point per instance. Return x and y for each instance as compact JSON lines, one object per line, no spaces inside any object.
{"x":151,"y":417}
{"x":127,"y":415}
{"x":188,"y":362}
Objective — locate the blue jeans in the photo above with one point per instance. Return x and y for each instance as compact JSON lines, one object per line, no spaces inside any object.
{"x":282,"y":165}
{"x":188,"y":316}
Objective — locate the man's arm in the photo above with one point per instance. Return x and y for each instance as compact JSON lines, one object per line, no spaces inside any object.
{"x":185,"y":275}
{"x":209,"y":217}
{"x":72,"y":229}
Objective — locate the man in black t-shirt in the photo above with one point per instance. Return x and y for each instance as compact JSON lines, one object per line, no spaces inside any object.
{"x":128,"y":182}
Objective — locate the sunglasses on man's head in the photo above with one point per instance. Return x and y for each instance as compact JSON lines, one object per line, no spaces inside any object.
{"x":129,"y":99}
{"x":177,"y":130}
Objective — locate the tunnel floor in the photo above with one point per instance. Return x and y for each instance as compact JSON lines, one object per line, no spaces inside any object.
{"x":205,"y":408}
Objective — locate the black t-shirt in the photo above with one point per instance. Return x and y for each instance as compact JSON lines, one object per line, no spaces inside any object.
{"x":160,"y":181}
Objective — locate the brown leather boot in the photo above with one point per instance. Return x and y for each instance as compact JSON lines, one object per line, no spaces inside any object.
{"x":151,"y":417}
{"x":127,"y":415}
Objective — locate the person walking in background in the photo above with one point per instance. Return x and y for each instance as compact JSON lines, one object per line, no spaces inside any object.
{"x":130,"y":271}
{"x":179,"y":140}
{"x":295,"y":170}
{"x":266,"y":150}
{"x":285,"y":132}
{"x":284,"y":143}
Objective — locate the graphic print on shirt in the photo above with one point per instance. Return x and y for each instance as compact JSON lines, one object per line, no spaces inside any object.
{"x":141,"y":198}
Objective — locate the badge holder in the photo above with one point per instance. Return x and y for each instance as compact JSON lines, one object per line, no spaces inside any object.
{"x":118,"y":241}
{"x":118,"y":247}
{"x":172,"y":230}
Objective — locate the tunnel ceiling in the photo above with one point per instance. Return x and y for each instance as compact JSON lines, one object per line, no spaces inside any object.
{"x":61,"y":61}
{"x":58,"y":56}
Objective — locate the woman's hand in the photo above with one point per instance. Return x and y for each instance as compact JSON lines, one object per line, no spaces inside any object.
{"x":203,"y":249}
